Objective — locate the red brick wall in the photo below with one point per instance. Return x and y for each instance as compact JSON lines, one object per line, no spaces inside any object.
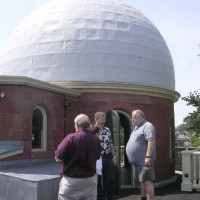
{"x":16,"y":117}
{"x":18,"y":104}
{"x":157,"y":110}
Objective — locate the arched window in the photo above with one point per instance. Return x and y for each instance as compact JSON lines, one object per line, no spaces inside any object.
{"x":39,"y":129}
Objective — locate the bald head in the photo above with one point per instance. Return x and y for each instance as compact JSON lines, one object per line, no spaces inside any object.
{"x":138,"y":112}
{"x":137,"y":117}
{"x":82,"y":121}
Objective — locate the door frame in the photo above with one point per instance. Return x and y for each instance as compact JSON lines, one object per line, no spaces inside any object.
{"x":128,"y":118}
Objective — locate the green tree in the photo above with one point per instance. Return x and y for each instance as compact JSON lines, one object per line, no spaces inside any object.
{"x":192,"y":120}
{"x":181,"y":128}
{"x":196,"y":141}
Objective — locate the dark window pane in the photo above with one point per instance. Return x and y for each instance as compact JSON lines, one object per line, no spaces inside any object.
{"x":37,"y":122}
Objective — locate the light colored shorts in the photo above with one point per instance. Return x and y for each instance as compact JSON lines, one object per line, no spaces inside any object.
{"x":78,"y":188}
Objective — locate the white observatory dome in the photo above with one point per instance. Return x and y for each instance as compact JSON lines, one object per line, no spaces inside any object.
{"x":102,"y":41}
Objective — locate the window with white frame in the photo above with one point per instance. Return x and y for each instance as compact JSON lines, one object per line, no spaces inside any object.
{"x":39,"y":129}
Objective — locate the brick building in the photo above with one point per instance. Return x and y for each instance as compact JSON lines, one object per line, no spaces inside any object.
{"x":70,"y":57}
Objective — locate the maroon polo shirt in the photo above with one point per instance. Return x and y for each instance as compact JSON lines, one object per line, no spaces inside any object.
{"x":79,"y":153}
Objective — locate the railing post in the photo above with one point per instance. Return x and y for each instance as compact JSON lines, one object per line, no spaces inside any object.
{"x":186,"y":184}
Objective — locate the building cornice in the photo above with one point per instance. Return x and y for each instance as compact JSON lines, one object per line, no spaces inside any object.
{"x":122,"y":88}
{"x":76,"y":88}
{"x":23,"y":80}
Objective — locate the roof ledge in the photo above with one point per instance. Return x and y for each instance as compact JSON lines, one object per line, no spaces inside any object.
{"x":10,"y":148}
{"x":123,"y":88}
{"x":23,"y":80}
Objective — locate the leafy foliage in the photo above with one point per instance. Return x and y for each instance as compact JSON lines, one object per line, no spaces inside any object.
{"x":192,"y":120}
{"x":195,"y":141}
{"x":181,"y":128}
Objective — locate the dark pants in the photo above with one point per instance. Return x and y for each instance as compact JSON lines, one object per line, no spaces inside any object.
{"x":108,"y":175}
{"x":100,"y":192}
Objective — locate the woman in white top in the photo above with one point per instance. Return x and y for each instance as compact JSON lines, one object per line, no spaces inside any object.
{"x":96,"y":130}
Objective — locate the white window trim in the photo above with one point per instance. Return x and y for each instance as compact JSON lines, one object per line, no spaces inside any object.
{"x":44,"y":130}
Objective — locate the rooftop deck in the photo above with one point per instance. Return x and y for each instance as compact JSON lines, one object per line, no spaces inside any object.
{"x":171,"y":192}
{"x":40,"y":177}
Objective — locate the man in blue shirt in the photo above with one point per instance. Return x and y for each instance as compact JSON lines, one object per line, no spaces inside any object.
{"x":141,"y":151}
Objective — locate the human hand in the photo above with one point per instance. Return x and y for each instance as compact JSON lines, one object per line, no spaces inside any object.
{"x":147,"y":161}
{"x":114,"y":160}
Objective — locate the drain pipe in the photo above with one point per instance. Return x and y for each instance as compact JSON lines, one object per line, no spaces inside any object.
{"x":67,"y":104}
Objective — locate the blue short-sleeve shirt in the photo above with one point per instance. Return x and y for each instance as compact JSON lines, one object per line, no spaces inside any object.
{"x":136,"y":147}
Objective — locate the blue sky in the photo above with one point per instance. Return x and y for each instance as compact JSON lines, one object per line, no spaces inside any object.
{"x":177,"y":20}
{"x":179,"y":23}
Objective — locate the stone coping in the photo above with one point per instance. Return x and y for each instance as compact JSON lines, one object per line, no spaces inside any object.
{"x":10,"y":147}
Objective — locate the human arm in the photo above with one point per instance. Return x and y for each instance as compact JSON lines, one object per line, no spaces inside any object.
{"x":112,"y":150}
{"x":62,"y":150}
{"x":58,"y":160}
{"x":150,"y":148}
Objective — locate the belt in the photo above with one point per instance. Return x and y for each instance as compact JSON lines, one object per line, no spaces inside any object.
{"x":72,"y":177}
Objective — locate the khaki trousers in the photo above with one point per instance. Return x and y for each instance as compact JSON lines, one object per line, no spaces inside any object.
{"x":78,"y":188}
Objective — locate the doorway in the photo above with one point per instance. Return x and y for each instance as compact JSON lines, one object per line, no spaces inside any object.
{"x":120,"y":125}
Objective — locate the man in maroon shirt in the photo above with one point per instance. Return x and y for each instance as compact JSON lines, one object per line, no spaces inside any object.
{"x":78,"y":153}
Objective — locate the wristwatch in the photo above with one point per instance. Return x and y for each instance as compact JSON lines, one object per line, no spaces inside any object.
{"x":148,"y":156}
